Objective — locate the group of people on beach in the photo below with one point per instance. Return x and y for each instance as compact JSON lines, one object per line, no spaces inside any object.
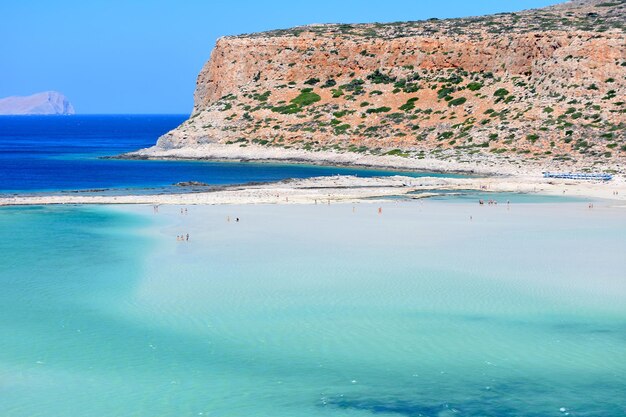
{"x":493,"y":203}
{"x":183,"y":211}
{"x":489,"y":202}
{"x":183,"y":238}
{"x":328,"y":202}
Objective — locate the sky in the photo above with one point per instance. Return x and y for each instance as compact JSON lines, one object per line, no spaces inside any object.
{"x":142,"y":57}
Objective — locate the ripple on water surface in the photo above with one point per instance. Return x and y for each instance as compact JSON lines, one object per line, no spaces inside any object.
{"x":313,"y":311}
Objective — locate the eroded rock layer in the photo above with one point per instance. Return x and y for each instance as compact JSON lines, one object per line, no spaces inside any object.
{"x":543,"y":84}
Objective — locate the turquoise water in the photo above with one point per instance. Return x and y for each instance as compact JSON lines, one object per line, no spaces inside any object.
{"x":313,"y":311}
{"x":474,"y":196}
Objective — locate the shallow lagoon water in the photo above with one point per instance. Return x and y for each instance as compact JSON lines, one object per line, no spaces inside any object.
{"x":313,"y":310}
{"x":474,"y":196}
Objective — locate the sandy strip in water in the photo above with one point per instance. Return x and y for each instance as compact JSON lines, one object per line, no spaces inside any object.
{"x":344,"y":189}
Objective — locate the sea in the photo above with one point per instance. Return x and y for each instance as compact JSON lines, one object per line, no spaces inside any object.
{"x":435,"y":308}
{"x":50,"y":154}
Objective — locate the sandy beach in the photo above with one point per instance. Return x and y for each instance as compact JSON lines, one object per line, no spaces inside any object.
{"x":326,"y":190}
{"x":445,"y":161}
{"x":255,"y":153}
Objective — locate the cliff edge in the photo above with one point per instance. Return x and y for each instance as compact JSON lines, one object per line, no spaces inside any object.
{"x":539,"y":87}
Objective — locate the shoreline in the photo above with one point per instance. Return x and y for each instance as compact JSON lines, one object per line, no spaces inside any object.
{"x":390,"y":167}
{"x":491,"y":175}
{"x":474,"y":164}
{"x":343,"y":189}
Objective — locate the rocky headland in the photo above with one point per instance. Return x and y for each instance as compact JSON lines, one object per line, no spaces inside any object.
{"x":534,"y":90}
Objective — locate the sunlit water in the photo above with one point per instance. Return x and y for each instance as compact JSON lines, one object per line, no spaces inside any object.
{"x":313,"y":311}
{"x":51,"y":154}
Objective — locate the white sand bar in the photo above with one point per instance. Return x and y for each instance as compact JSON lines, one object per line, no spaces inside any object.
{"x":342,"y":189}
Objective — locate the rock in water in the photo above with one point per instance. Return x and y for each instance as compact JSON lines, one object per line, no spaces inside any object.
{"x":46,"y":103}
{"x":191,"y":184}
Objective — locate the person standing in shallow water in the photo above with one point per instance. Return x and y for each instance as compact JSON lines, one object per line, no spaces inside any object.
{"x":187,"y":237}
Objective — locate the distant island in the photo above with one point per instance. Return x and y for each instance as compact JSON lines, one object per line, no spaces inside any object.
{"x":535,"y":89}
{"x":46,"y":103}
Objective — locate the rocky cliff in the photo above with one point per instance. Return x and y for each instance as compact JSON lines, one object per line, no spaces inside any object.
{"x":542,"y":85}
{"x":46,"y":103}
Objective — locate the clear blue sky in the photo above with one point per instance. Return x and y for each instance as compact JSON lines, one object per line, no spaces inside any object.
{"x":116,"y":56}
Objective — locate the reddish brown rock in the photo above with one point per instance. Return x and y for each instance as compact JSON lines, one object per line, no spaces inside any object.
{"x":543,"y":84}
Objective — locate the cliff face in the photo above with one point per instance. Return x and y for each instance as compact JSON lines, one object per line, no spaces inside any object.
{"x":47,"y":103}
{"x":541,"y":84}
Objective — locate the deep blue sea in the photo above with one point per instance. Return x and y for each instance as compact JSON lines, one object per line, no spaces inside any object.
{"x":64,"y":153}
